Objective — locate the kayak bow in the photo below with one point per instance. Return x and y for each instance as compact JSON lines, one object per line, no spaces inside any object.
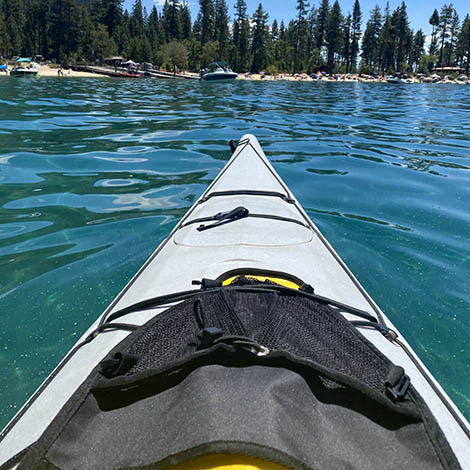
{"x":246,"y":235}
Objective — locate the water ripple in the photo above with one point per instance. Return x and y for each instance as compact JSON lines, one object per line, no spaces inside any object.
{"x":94,"y":173}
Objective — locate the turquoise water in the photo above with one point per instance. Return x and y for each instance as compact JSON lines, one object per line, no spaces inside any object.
{"x":95,"y":173}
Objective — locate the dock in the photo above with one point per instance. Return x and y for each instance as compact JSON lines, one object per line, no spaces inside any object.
{"x":114,"y":72}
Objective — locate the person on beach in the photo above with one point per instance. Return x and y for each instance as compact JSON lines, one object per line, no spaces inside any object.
{"x":60,"y":73}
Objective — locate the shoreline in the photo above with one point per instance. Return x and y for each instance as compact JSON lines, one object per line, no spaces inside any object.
{"x":47,"y":71}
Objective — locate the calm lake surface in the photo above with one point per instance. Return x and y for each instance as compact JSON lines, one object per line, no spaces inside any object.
{"x":94,"y":173}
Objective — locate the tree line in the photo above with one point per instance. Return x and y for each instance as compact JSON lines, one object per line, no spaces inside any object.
{"x":318,"y":35}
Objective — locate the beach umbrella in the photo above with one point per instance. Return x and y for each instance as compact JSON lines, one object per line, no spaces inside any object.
{"x":23,"y":59}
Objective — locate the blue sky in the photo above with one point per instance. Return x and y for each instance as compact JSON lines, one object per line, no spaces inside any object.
{"x":419,"y":11}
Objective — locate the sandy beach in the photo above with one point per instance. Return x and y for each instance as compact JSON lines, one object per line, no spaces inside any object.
{"x":47,"y":71}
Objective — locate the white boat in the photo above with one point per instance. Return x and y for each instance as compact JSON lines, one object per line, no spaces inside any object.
{"x":136,"y":393}
{"x":25,"y":68}
{"x":220,"y":71}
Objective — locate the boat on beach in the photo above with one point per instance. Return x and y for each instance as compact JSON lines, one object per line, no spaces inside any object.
{"x":218,"y":71}
{"x":244,"y":342}
{"x":25,"y":68}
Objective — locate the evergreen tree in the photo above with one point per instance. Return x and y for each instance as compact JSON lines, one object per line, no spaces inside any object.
{"x":434,"y":22}
{"x":370,"y":41}
{"x":102,"y":45}
{"x":112,"y":14}
{"x":221,"y":28}
{"x":463,"y":45}
{"x":333,"y":34}
{"x":386,"y":43}
{"x":172,"y":20}
{"x":36,"y":22}
{"x":301,"y":30}
{"x":275,"y":31}
{"x":241,"y":37}
{"x":355,"y":33}
{"x":137,"y":19}
{"x":185,"y":15}
{"x":207,"y":21}
{"x":453,"y":32}
{"x":347,"y":56}
{"x":445,"y":19}
{"x":403,"y":36}
{"x":259,"y":47}
{"x":3,"y":36}
{"x":417,"y":50}
{"x":15,"y":21}
{"x":122,"y":35}
{"x":321,"y":24}
{"x":64,"y":28}
{"x":312,"y":19}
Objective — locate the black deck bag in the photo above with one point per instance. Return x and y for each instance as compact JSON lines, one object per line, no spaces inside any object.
{"x":262,"y":374}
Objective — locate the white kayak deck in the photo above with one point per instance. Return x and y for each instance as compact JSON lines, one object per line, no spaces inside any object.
{"x":276,"y":245}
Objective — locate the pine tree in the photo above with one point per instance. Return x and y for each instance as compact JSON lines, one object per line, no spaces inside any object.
{"x":275,"y":31}
{"x":370,"y":41}
{"x":355,"y":34}
{"x":172,"y":20}
{"x":137,"y":20}
{"x":386,"y":43}
{"x":321,"y":24}
{"x":434,"y":22}
{"x":3,"y":35}
{"x":312,"y":19}
{"x":221,"y":27}
{"x":463,"y":45}
{"x":346,"y":52}
{"x":207,"y":11}
{"x":301,"y":29}
{"x":453,"y":32}
{"x":15,"y":21}
{"x":112,"y":14}
{"x":241,"y":37}
{"x":185,"y":15}
{"x":333,"y":34}
{"x":64,"y":28}
{"x":259,"y":47}
{"x":445,"y":19}
{"x":402,"y":35}
{"x":418,"y":48}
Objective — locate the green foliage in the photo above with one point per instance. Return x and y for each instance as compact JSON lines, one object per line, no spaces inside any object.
{"x":427,"y":63}
{"x":210,"y":52}
{"x":102,"y":45}
{"x":176,"y":55}
{"x":261,"y":38}
{"x":333,"y":36}
{"x":365,"y":69}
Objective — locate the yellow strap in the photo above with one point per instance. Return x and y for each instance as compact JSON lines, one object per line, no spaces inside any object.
{"x":228,"y":462}
{"x":277,"y":280}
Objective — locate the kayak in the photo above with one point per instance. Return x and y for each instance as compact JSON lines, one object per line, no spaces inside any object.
{"x":244,"y":342}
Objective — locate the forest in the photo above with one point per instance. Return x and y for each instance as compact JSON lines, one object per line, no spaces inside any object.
{"x":321,"y":34}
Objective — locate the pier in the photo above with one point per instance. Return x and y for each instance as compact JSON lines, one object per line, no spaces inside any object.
{"x":114,"y":72}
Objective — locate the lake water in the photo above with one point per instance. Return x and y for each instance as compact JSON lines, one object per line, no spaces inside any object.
{"x":94,"y":173}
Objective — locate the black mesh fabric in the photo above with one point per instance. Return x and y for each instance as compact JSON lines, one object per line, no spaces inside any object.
{"x":298,"y":325}
{"x":183,"y":398}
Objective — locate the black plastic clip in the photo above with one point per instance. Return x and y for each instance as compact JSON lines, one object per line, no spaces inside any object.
{"x":397,"y":383}
{"x":206,"y":283}
{"x":225,"y":217}
{"x":207,"y":336}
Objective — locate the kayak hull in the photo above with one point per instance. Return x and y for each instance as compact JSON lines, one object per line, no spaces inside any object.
{"x":285,"y":241}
